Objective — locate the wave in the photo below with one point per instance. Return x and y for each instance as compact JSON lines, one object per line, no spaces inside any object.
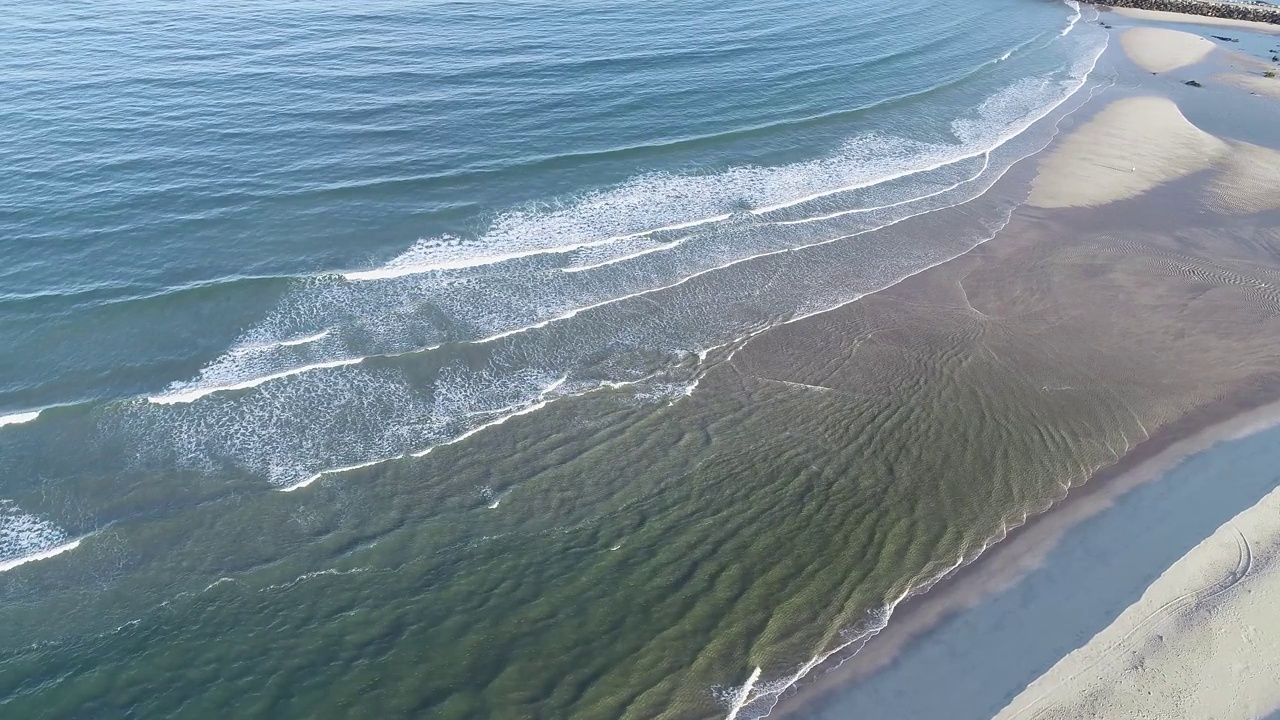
{"x":623,"y":258}
{"x":19,"y":417}
{"x":615,"y":298}
{"x":26,"y":538}
{"x":425,"y":256}
{"x":1075,"y":18}
{"x":540,"y":403}
{"x":195,"y":393}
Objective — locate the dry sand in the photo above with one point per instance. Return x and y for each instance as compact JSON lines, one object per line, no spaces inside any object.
{"x":1161,"y":16}
{"x":1248,"y":182}
{"x":1203,"y":642}
{"x":1254,"y":82}
{"x":1132,"y":146}
{"x":1159,"y":50}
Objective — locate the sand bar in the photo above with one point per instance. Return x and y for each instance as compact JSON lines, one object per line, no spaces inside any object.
{"x":1159,"y":50}
{"x":1131,"y":147}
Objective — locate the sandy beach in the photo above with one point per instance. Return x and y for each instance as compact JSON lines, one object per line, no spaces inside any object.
{"x":1201,"y":642}
{"x":1145,"y":237}
{"x":1160,"y":50}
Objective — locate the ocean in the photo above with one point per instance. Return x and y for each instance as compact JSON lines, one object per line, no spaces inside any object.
{"x":368,"y":359}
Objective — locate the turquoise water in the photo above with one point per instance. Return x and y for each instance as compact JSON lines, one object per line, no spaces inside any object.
{"x":405,"y":260}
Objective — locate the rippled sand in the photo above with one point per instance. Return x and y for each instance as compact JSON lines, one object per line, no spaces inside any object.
{"x":1132,"y":303}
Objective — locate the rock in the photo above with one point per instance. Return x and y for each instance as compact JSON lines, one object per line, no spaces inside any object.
{"x":1193,"y":83}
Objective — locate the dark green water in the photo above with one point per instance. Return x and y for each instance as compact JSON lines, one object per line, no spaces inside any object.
{"x":469,"y":282}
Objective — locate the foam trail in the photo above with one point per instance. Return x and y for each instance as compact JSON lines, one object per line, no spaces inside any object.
{"x":304,"y":340}
{"x":949,"y":160}
{"x":395,"y":270}
{"x":1074,"y":18}
{"x":19,"y":418}
{"x":986,"y":161}
{"x":743,"y":693}
{"x":541,"y":403}
{"x":25,"y":538}
{"x":641,"y":293}
{"x":624,"y":258}
{"x":346,"y":468}
{"x":194,"y":394}
{"x":42,"y":555}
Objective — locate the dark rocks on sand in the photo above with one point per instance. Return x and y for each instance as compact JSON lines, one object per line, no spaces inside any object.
{"x":1208,"y":8}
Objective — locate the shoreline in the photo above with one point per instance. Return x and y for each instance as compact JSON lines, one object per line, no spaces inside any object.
{"x":1022,"y":581}
{"x":1252,"y":407}
{"x":1024,"y":548}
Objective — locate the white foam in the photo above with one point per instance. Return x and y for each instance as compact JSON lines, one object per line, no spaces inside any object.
{"x":1075,"y":18}
{"x":632,"y":256}
{"x":195,"y":393}
{"x":25,"y":538}
{"x":536,"y":406}
{"x":304,"y":340}
{"x":420,"y":258}
{"x":42,"y":555}
{"x":986,"y":161}
{"x":740,"y":697}
{"x":19,"y":418}
{"x":333,"y":471}
{"x":541,"y":402}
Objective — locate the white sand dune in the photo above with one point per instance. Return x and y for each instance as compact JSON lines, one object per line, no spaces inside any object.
{"x":1159,"y":50}
{"x":1248,"y":182}
{"x":1202,"y":642}
{"x":1254,"y":82}
{"x":1132,"y":146}
{"x":1171,"y":17}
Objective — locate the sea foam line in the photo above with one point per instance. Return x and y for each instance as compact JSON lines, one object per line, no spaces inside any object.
{"x":657,"y":248}
{"x":42,"y":555}
{"x":187,"y":396}
{"x":986,"y":161}
{"x":540,"y":403}
{"x":19,"y":418}
{"x":394,"y":271}
{"x":950,"y":160}
{"x":195,"y":394}
{"x":304,"y":340}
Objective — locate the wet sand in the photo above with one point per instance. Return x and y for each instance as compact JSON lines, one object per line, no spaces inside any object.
{"x":1149,"y":290}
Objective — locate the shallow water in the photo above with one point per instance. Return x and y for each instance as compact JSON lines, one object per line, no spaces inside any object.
{"x":1098,"y":569}
{"x":454,"y":276}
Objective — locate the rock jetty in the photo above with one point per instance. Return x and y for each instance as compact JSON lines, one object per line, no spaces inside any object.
{"x":1232,"y":11}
